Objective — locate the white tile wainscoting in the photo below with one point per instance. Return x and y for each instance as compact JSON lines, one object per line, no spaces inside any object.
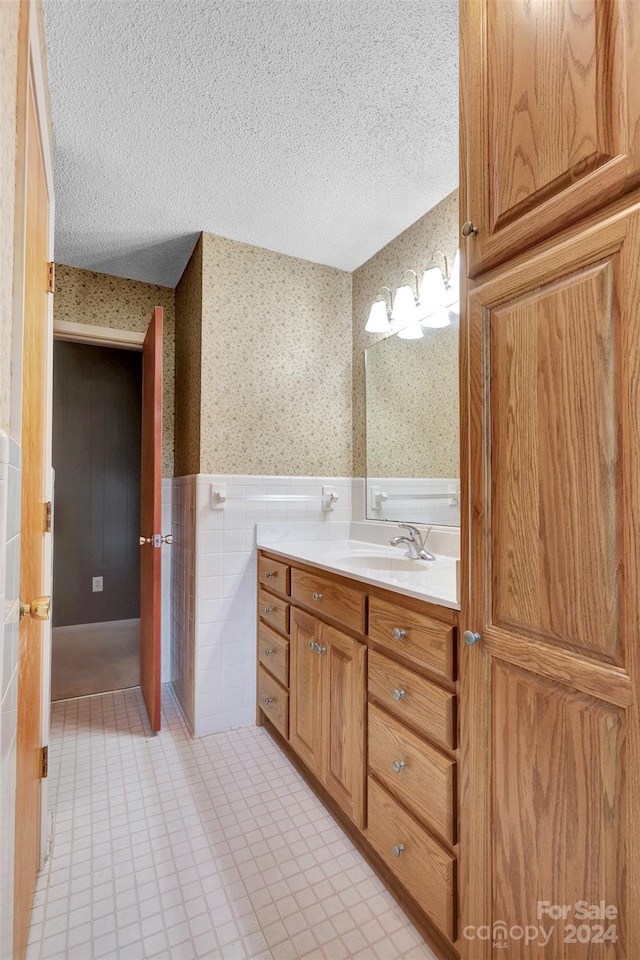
{"x":213,"y":646}
{"x":386,"y":498}
{"x":167,"y":520}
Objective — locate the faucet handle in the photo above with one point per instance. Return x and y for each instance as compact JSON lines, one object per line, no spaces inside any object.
{"x":414,"y":533}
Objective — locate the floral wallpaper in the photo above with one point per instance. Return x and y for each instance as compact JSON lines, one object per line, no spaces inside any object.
{"x":437,"y":229}
{"x":276,"y":363}
{"x":188,"y":365}
{"x":102,"y":300}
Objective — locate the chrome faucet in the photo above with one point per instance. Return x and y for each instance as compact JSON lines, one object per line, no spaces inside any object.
{"x":414,"y":541}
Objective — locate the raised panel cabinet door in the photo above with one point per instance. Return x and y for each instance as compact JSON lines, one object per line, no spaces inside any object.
{"x":305,"y":690}
{"x":550,"y":728}
{"x":551,"y":117}
{"x":344,"y":663}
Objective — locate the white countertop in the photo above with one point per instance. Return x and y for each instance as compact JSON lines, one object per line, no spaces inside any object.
{"x":373,"y":563}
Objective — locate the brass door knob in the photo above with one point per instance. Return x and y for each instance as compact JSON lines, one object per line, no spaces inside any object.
{"x":37,"y":609}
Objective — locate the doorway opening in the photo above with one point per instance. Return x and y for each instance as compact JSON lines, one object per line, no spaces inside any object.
{"x":97,"y":414}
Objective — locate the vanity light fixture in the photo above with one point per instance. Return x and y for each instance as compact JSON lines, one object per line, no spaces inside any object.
{"x":380,"y":314}
{"x":413,"y":331}
{"x":453,"y":283}
{"x":414,"y":306}
{"x":405,"y":303}
{"x":440,"y":318}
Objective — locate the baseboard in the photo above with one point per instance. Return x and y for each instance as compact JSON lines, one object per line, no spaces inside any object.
{"x":104,"y":625}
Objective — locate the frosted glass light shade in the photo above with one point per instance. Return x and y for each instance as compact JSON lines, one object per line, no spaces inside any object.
{"x":412,"y":332}
{"x":404,"y":307}
{"x":440,"y":318}
{"x":453,"y":285}
{"x":378,"y":321}
{"x":433,"y":293}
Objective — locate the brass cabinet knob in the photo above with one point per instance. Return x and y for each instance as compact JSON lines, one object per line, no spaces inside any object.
{"x":37,"y":609}
{"x":468,"y":229}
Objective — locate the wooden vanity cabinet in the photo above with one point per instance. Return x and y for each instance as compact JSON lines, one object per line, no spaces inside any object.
{"x":372,"y":717}
{"x":328,"y":709}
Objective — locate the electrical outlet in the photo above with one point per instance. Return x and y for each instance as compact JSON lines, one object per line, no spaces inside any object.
{"x":97,"y":585}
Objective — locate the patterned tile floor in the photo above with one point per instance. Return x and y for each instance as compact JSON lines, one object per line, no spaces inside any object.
{"x":171,"y":848}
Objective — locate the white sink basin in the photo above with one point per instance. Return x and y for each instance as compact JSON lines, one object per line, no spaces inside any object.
{"x":380,"y":562}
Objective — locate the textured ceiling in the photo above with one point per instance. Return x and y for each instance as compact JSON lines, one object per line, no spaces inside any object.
{"x":316,"y":128}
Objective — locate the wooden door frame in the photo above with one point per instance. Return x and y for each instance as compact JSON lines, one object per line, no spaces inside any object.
{"x":31,"y":68}
{"x":97,"y":336}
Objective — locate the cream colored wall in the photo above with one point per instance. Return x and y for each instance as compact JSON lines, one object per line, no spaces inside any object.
{"x":276,"y":363}
{"x":102,"y":300}
{"x":188,"y":365}
{"x":437,"y":229}
{"x":9,"y":11}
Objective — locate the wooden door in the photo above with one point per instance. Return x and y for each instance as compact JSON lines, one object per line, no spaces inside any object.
{"x":343,"y":717}
{"x":151,"y":519}
{"x":305,"y":691}
{"x":32,"y":584}
{"x":550,"y":729}
{"x":552,"y":116}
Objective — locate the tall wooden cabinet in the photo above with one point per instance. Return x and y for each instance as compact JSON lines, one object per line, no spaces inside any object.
{"x":552,"y":110}
{"x":549,"y":721}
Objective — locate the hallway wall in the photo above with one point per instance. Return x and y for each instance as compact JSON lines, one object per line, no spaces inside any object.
{"x":101,"y":300}
{"x":97,"y":405}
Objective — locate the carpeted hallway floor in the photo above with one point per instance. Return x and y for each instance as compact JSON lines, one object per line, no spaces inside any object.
{"x":95,"y":659}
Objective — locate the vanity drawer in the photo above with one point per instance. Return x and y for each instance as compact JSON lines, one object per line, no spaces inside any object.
{"x":414,"y":635}
{"x":416,"y":773}
{"x":426,"y":706}
{"x":273,"y":610}
{"x":424,"y":867}
{"x":274,"y":575}
{"x":273,"y":701}
{"x":331,"y":598}
{"x":273,"y":653}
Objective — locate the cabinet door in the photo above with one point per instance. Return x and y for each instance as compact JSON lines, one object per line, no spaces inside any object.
{"x":344,"y":662}
{"x":551,"y":112}
{"x":550,"y":728}
{"x":305,"y":690}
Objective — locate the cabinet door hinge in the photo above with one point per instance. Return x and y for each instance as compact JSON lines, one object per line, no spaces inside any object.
{"x":47,"y":517}
{"x":51,"y":277}
{"x":44,"y":763}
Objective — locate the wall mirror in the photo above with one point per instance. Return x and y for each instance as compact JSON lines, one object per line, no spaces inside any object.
{"x":412,"y":427}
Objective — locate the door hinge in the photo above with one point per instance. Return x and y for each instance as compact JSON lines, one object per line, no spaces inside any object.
{"x":51,"y":277}
{"x":44,"y":763}
{"x":47,"y":517}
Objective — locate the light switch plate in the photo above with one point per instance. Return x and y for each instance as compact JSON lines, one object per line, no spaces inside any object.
{"x":97,"y":585}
